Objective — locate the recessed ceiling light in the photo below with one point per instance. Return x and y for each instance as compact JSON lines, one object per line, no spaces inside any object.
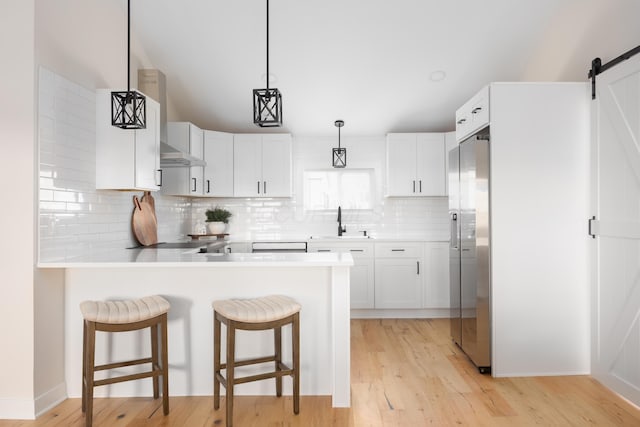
{"x":437,"y":76}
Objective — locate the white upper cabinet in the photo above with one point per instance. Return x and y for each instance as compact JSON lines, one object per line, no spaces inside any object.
{"x":184,"y":181}
{"x":127,"y":159}
{"x":450,"y":143}
{"x":473,"y":115}
{"x":262,"y":165}
{"x":416,"y":164}
{"x":218,"y":173}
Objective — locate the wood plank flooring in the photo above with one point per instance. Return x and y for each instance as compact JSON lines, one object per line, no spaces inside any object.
{"x":403,"y":373}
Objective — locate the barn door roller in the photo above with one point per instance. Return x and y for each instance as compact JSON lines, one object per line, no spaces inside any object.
{"x":597,"y":67}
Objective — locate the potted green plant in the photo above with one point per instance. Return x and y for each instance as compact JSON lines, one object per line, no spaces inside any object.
{"x":217,"y":219}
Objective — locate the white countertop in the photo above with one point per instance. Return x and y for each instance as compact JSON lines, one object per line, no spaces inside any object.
{"x":149,"y":257}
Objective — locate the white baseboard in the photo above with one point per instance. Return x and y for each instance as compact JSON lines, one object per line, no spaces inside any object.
{"x":28,"y":409}
{"x":17,"y":409}
{"x":422,"y":313}
{"x":50,"y":398}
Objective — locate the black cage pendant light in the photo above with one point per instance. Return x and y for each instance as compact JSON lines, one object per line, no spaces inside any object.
{"x":128,"y":109}
{"x":339,"y":154}
{"x":267,"y":103}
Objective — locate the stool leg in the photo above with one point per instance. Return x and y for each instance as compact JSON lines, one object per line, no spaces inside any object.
{"x":231,"y":345}
{"x":84,"y":366}
{"x":295,"y":335}
{"x":90,"y":365}
{"x":216,"y":362}
{"x":165,"y":365}
{"x":153,"y":330}
{"x":277,"y":345}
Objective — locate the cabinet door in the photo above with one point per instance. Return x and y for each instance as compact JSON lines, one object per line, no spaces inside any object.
{"x":147,"y":158}
{"x":218,"y":174}
{"x":450,"y":143}
{"x":436,"y":275}
{"x":247,"y":165}
{"x":196,"y":140}
{"x":196,"y":181}
{"x":430,"y":164}
{"x":361,"y":274}
{"x":126,"y":159}
{"x":398,"y":283}
{"x":362,"y":283}
{"x":401,"y":164}
{"x":276,"y":165}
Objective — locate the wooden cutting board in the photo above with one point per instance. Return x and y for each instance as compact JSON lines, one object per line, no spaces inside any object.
{"x":143,"y":221}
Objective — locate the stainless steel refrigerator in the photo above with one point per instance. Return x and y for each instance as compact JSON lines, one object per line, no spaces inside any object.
{"x":469,"y":248}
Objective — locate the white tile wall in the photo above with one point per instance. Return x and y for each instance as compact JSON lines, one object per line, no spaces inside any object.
{"x":74,"y":216}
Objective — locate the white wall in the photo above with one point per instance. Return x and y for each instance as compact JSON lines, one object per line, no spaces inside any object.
{"x":577,"y":35}
{"x":17,"y":247}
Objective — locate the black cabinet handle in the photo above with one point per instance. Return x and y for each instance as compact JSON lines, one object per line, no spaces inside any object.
{"x":461,"y":121}
{"x":195,"y":185}
{"x":208,"y":186}
{"x":356,"y":250}
{"x":476,"y":110}
{"x":418,"y":267}
{"x":324,"y":250}
{"x":421,"y":186}
{"x":414,"y":186}
{"x":258,"y":187}
{"x":264,"y":187}
{"x":160,"y":170}
{"x":397,"y":250}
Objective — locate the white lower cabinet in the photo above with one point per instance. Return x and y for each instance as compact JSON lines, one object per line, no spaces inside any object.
{"x":399,"y":270}
{"x":362,"y":272}
{"x":436,"y":275}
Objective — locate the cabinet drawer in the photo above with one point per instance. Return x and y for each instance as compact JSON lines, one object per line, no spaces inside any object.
{"x":357,"y":250}
{"x":399,"y":250}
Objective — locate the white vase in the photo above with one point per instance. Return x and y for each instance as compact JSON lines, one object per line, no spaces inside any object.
{"x":216,"y":227}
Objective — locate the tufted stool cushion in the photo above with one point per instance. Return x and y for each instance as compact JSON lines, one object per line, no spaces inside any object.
{"x":256,"y":310}
{"x":127,"y":311}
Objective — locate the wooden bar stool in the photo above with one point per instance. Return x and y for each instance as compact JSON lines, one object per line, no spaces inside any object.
{"x":257,"y":314}
{"x":120,"y":316}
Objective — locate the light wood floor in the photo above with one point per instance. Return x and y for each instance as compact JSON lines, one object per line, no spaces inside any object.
{"x":403,"y":373}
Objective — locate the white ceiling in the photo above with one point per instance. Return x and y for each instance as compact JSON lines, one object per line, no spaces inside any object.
{"x":367,"y":62}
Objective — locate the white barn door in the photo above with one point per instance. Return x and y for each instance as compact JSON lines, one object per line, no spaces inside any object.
{"x":615,"y":192}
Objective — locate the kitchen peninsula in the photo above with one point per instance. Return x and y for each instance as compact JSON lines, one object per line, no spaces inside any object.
{"x":190,"y":281}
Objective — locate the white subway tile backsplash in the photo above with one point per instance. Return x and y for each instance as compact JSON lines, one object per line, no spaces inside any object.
{"x":74,"y":216}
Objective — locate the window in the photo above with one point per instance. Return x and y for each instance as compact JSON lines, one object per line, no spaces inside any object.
{"x":348,"y":188}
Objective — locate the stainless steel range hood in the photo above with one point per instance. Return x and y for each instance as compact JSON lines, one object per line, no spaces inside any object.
{"x":152,"y":83}
{"x":171,"y":158}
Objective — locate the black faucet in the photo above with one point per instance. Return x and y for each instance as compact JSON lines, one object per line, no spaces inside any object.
{"x":341,"y":229}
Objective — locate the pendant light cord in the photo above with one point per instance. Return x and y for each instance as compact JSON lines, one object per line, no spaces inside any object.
{"x":128,"y":45}
{"x":267,"y":44}
{"x":338,"y":136}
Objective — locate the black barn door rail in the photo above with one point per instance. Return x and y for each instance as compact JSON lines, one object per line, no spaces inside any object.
{"x":597,"y":67}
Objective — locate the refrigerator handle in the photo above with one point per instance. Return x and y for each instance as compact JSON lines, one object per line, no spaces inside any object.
{"x":454,"y":231}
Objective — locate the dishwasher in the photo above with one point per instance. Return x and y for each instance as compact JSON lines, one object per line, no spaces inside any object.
{"x":278,"y":247}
